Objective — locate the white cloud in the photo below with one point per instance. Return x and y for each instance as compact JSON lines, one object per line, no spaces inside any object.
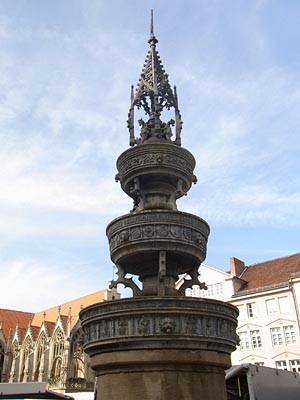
{"x":37,"y":285}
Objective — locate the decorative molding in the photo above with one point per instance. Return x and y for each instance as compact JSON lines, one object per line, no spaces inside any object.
{"x":157,"y":225}
{"x":143,"y":323}
{"x":161,"y":156}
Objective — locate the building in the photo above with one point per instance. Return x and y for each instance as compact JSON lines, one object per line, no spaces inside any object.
{"x":267,"y":295}
{"x":47,"y":346}
{"x":219,"y":284}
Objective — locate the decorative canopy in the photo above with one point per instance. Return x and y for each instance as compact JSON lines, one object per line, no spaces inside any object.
{"x":154,"y":94}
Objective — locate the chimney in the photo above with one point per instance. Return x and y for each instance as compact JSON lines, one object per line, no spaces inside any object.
{"x":236,"y":266}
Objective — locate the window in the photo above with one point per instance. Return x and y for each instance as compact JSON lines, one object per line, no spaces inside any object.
{"x":284,"y":304}
{"x":276,"y":336}
{"x":289,"y":335}
{"x":250,"y":340}
{"x":251,"y":310}
{"x":41,"y":347}
{"x":255,"y":339}
{"x":219,"y":288}
{"x":194,"y":292}
{"x":57,"y":353}
{"x":272,"y":307}
{"x":279,"y":305}
{"x":281,"y":365}
{"x":214,"y":290}
{"x":244,"y":341}
{"x":295,"y":365}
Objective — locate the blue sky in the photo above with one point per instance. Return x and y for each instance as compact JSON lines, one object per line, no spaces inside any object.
{"x":66,"y":67}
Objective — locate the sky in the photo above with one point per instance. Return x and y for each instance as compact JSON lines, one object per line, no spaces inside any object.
{"x":66,"y":67}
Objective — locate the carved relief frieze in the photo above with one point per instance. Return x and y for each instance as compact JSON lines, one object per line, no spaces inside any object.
{"x":167,"y":325}
{"x":143,"y":326}
{"x":170,"y":232}
{"x":159,"y":225}
{"x":191,"y":324}
{"x":187,"y":220}
{"x":158,"y":324}
{"x":134,"y":161}
{"x":123,"y":326}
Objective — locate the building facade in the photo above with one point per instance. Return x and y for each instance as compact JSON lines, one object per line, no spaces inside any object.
{"x":267,"y":295}
{"x":47,"y":346}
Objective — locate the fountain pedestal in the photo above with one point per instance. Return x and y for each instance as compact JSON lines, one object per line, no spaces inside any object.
{"x":170,"y":348}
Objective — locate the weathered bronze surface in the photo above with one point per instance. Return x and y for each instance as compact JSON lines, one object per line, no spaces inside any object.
{"x":160,"y":322}
{"x":158,"y":345}
{"x":156,"y":242}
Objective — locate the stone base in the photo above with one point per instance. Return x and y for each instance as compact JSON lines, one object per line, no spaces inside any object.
{"x":161,"y":375}
{"x":160,"y":348}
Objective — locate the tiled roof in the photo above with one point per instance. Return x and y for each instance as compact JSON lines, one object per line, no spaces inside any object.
{"x":35,"y":331}
{"x":10,"y":318}
{"x":74,"y":306}
{"x":273,"y":272}
{"x":50,"y":327}
{"x":22,"y":333}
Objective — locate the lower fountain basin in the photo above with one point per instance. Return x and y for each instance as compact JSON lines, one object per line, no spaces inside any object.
{"x":159,"y":323}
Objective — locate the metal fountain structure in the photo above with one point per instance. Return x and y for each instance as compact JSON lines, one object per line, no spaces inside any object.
{"x":159,"y":344}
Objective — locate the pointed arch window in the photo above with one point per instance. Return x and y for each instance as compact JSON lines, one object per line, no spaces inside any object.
{"x":57,"y":353}
{"x":40,"y":350}
{"x":15,"y":361}
{"x":77,"y":356}
{"x":15,"y":349}
{"x":26,"y":352}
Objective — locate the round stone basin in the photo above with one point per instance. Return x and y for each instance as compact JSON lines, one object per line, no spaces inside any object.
{"x":166,"y":160}
{"x":159,"y":323}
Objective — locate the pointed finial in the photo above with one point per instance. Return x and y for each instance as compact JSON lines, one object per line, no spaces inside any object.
{"x":152,"y":41}
{"x":151,"y":24}
{"x":132,"y":94}
{"x":153,"y":94}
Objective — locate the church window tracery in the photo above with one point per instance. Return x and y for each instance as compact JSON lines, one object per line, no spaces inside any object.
{"x":77,"y":356}
{"x":41,"y":347}
{"x":57,"y":353}
{"x":26,"y":352}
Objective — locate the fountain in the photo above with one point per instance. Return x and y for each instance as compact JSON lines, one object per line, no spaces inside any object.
{"x":158,"y":344}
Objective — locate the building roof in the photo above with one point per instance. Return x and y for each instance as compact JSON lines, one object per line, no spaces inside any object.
{"x":11,"y":318}
{"x":269,"y":273}
{"x":73,"y":307}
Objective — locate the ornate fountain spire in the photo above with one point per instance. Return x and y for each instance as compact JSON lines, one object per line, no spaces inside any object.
{"x":153,"y":95}
{"x":158,"y":343}
{"x":156,"y":242}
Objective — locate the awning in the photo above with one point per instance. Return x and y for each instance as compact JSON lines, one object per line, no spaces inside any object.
{"x":31,"y":390}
